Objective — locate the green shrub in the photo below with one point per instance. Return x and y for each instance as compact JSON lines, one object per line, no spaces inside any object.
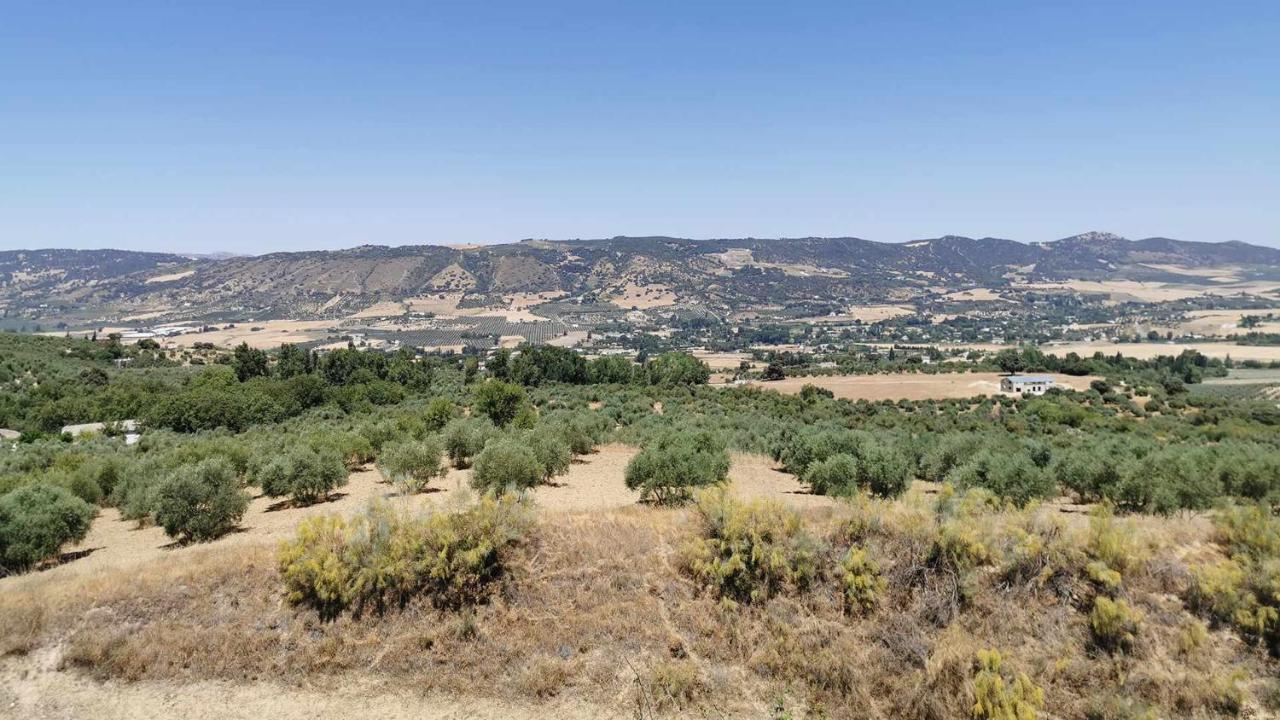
{"x":1089,"y":472}
{"x":1243,"y":591}
{"x":314,"y":565}
{"x":581,"y":430}
{"x":465,"y":438}
{"x":379,"y":432}
{"x":386,"y":557}
{"x":750,"y":551}
{"x":808,"y":446}
{"x":36,"y":520}
{"x":499,"y":401}
{"x":947,"y":452}
{"x":836,"y":475}
{"x":439,"y":413}
{"x":410,"y":466}
{"x":670,"y":469}
{"x":200,"y":502}
{"x":883,"y":470}
{"x":1005,"y":471}
{"x":551,"y":451}
{"x":998,"y":695}
{"x":506,"y":464}
{"x":302,"y":474}
{"x":1170,"y":479}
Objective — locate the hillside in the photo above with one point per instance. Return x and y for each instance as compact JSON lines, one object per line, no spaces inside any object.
{"x":721,"y":274}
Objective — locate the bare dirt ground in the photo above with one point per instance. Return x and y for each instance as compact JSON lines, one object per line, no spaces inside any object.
{"x":271,"y":333}
{"x":976,"y":294}
{"x":908,"y":386}
{"x":643,"y":297}
{"x":445,"y":305}
{"x":573,"y":337}
{"x":170,"y":277}
{"x":34,"y":688}
{"x":1137,"y":290}
{"x":722,"y":360}
{"x":1225,"y":322}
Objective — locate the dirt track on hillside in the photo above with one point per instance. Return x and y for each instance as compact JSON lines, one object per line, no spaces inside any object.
{"x":33,"y":688}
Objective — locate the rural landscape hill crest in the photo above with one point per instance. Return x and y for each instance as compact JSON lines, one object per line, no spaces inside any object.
{"x":724,"y":273}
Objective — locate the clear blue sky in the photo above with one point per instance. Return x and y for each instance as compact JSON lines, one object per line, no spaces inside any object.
{"x":259,"y":126}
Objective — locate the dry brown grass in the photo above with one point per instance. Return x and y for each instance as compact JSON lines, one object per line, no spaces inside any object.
{"x":596,"y":613}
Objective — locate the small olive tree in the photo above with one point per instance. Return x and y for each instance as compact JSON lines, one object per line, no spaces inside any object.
{"x":667,"y":471}
{"x":506,"y":464}
{"x":36,"y":521}
{"x":412,"y":465}
{"x":465,"y":438}
{"x":303,"y":474}
{"x":202,"y":501}
{"x":553,"y":453}
{"x":500,"y":401}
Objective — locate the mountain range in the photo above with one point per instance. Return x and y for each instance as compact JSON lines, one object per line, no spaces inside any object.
{"x":724,"y":273}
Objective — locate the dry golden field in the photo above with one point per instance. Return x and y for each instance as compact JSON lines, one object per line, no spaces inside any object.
{"x":906,"y":386}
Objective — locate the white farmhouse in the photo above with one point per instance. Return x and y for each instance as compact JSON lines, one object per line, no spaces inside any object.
{"x":1026,"y":384}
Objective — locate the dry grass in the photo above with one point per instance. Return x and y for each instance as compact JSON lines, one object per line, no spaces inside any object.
{"x":271,"y":333}
{"x":595,"y":613}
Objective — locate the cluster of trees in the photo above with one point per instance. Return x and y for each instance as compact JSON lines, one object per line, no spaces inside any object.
{"x":532,"y":365}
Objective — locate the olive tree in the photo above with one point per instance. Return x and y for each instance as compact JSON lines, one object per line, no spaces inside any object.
{"x":303,"y":474}
{"x":36,"y":520}
{"x":202,"y":501}
{"x":667,"y":471}
{"x":412,"y":465}
{"x":506,"y":464}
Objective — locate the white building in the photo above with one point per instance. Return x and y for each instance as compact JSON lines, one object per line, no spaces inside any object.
{"x":1026,"y":384}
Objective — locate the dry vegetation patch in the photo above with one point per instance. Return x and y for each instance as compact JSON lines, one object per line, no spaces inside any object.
{"x":975,"y":605}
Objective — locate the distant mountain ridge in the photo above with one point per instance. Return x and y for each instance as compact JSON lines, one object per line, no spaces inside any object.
{"x":729,"y":273}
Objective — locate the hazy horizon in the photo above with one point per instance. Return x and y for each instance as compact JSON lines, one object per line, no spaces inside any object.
{"x":249,"y":129}
{"x":582,"y":239}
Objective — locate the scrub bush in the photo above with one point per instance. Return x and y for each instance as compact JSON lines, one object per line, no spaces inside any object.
{"x":386,"y":557}
{"x":750,"y":551}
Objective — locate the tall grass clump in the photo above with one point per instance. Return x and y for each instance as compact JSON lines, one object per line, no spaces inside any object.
{"x":749,"y":551}
{"x":1002,"y":695}
{"x":1243,"y":590}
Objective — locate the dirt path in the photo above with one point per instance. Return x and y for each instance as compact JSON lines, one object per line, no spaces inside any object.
{"x":33,"y":688}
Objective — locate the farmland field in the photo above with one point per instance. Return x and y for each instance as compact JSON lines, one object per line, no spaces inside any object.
{"x":908,"y":386}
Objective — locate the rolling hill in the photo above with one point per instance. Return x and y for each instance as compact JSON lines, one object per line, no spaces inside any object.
{"x":730,"y":274}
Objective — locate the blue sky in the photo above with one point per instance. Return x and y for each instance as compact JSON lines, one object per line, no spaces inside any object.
{"x":251,"y":127}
